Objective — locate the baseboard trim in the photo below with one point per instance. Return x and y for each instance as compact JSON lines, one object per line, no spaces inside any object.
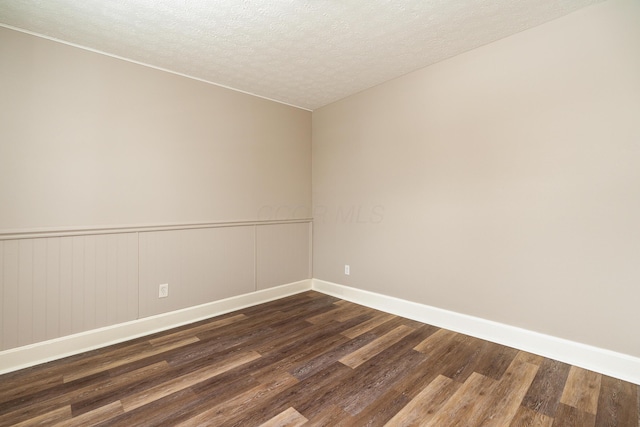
{"x":600,"y":360}
{"x":46,"y":351}
{"x":596,"y":359}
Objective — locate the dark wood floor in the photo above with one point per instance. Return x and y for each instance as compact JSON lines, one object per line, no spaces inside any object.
{"x":311,"y":359}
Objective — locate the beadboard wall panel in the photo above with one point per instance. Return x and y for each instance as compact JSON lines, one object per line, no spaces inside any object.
{"x":283,"y":254}
{"x":199,"y":265}
{"x":57,"y":286}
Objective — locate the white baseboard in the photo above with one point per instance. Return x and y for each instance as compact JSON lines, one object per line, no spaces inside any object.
{"x":596,"y":359}
{"x":45,"y":351}
{"x":600,"y":360}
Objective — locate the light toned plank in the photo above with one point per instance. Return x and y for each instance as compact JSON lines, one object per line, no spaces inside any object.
{"x":240,"y":404}
{"x":464,"y":403}
{"x":534,"y":359}
{"x":344,"y":310}
{"x":325,"y":317}
{"x":104,"y":362}
{"x":350,"y":310}
{"x":582,"y":389}
{"x":105,"y":386}
{"x":287,"y":418}
{"x":50,"y":418}
{"x":568,"y":416}
{"x":435,"y":341}
{"x":364,"y":327}
{"x":209,"y":326}
{"x":358,"y":357}
{"x":503,"y":402}
{"x":526,"y":417}
{"x":426,"y":404}
{"x":180,"y":383}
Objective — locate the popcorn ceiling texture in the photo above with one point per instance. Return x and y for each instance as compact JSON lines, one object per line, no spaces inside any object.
{"x":305,"y":53}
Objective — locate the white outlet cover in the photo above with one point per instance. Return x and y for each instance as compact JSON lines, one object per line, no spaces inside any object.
{"x":163,"y":290}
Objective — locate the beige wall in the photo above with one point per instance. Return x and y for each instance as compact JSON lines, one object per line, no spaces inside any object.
{"x":89,"y":142}
{"x":503,"y":183}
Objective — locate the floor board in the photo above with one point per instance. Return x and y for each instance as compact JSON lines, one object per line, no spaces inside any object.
{"x":313,"y":360}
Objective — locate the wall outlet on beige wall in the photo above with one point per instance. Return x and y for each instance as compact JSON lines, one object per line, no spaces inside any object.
{"x":163,"y":290}
{"x":347,"y":270}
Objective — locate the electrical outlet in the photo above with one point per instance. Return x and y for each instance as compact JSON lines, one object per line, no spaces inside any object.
{"x":347,"y":269}
{"x":163,"y":290}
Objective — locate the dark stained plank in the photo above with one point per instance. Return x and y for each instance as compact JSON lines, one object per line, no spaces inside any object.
{"x":617,"y":403}
{"x":495,"y":360}
{"x":326,"y":358}
{"x":545,"y":392}
{"x":333,"y":416}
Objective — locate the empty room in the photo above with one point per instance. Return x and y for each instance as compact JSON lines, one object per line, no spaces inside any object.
{"x":320,"y":213}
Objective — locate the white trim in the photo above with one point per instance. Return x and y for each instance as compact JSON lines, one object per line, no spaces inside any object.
{"x":600,"y":360}
{"x":34,"y":354}
{"x":596,"y":359}
{"x":139,"y":228}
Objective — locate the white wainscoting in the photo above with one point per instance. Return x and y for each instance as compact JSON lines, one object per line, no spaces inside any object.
{"x":58,"y":283}
{"x":58,"y":286}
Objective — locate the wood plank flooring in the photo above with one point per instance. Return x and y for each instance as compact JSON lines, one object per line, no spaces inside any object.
{"x":313,"y":360}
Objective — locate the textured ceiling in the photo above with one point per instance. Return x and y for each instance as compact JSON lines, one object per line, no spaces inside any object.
{"x":305,"y":53}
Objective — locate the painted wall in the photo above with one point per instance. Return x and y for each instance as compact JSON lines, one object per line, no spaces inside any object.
{"x":103,"y":166}
{"x":90,"y":140}
{"x":503,"y":183}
